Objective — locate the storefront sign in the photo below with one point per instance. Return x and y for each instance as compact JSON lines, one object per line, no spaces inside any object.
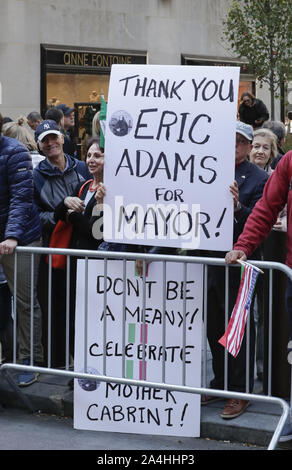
{"x":88,"y":60}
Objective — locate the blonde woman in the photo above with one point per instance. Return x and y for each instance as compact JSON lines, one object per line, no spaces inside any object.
{"x":18,"y":130}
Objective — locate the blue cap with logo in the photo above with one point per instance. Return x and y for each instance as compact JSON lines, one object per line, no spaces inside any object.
{"x":48,"y":126}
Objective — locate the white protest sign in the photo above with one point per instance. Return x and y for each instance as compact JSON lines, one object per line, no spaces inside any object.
{"x":129,"y":408}
{"x":170,"y":155}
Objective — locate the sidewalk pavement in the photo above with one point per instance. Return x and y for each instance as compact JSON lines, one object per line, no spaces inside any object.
{"x":52,"y":395}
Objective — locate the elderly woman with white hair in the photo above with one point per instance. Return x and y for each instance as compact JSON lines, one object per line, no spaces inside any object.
{"x":264,"y":149}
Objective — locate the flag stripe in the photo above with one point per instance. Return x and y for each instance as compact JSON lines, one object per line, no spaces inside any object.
{"x":234,"y":323}
{"x":241,"y":314}
{"x":233,"y":336}
{"x":239,"y":322}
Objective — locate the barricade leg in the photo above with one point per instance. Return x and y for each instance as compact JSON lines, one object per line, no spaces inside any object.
{"x":29,"y":315}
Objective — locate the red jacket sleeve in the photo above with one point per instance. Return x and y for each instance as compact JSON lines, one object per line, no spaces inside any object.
{"x":265,"y":212}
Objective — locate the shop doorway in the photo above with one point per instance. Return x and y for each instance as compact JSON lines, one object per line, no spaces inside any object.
{"x":83,"y":93}
{"x":245,"y":85}
{"x":86,"y":125}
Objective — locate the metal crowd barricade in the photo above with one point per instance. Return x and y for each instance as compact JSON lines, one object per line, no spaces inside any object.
{"x":67,"y":371}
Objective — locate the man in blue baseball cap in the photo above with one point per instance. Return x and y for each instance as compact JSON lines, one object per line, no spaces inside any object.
{"x":55,"y":178}
{"x":49,"y":126}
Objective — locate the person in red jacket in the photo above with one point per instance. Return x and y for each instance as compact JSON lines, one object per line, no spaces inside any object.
{"x":246,"y":190}
{"x":263,"y":216}
{"x":276,"y":194}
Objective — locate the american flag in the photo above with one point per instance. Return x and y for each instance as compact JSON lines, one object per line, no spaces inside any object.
{"x":233,"y":335}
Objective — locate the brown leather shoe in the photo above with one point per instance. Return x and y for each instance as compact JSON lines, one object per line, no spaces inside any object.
{"x":206,"y":399}
{"x":234,"y":408}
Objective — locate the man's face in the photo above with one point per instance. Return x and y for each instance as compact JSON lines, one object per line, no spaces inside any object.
{"x":242,"y":148}
{"x":52,"y":145}
{"x":33,"y":124}
{"x":69,"y":120}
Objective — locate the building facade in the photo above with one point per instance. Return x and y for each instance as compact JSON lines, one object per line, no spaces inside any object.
{"x":61,"y":51}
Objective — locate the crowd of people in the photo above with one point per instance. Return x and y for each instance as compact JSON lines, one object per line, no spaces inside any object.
{"x":56,"y":187}
{"x":42,"y":183}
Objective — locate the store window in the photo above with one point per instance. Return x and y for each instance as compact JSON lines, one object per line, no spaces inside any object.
{"x":83,"y":93}
{"x":72,"y":88}
{"x":78,"y":77}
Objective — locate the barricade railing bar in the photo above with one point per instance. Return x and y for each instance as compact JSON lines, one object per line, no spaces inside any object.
{"x":146,"y":258}
{"x":163,"y":386}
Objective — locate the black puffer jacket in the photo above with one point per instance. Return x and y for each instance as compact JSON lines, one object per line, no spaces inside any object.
{"x":19,"y":218}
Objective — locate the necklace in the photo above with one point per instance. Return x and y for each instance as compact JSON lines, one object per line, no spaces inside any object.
{"x":93,"y":188}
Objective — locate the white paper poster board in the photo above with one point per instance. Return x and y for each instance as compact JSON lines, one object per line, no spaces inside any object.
{"x":131,"y":409}
{"x":170,"y":155}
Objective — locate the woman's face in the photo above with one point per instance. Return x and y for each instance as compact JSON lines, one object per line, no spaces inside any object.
{"x":247,"y":100}
{"x":95,"y":160}
{"x":261,"y":151}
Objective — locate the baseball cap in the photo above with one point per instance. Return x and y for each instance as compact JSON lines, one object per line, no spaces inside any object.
{"x":48,"y":126}
{"x":66,"y":110}
{"x":244,"y":129}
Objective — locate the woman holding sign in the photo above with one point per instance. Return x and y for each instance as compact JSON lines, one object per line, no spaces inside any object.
{"x":78,"y":208}
{"x":84,"y":208}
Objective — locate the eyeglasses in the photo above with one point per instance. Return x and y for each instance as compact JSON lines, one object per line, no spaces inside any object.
{"x":246,"y":101}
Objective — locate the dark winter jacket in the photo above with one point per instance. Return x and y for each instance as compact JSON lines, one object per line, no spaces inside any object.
{"x":82,"y":237}
{"x":19,"y":218}
{"x":249,"y":114}
{"x":52,"y":186}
